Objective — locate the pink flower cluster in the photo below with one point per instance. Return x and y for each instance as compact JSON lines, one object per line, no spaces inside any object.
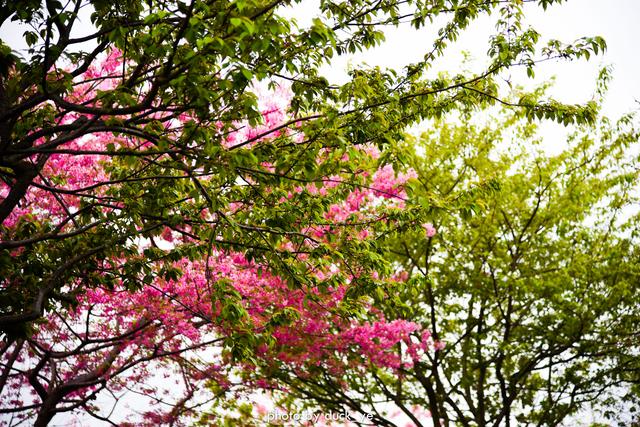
{"x":118,"y":338}
{"x":429,"y":229}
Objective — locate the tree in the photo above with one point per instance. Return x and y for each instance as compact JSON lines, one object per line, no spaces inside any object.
{"x":150,"y":150}
{"x":530,"y":285}
{"x":199,"y":318}
{"x":177,"y":81}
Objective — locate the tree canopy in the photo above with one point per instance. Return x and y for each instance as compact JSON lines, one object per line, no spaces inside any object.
{"x":182,"y":191}
{"x":177,"y":83}
{"x":530,"y":287}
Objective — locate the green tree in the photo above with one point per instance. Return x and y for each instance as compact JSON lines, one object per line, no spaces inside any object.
{"x":531,"y":282}
{"x":196,"y":61}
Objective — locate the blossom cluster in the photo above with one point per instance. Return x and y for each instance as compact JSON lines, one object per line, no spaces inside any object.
{"x":115,"y":338}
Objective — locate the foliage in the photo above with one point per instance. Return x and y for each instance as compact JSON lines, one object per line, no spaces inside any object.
{"x":531,"y":284}
{"x":177,"y":83}
{"x":140,"y":154}
{"x":203,"y":318}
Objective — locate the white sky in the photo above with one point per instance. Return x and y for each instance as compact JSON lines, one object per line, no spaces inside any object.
{"x":618,"y":21}
{"x":615,"y":20}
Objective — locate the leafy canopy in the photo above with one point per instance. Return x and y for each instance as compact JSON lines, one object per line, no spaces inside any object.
{"x":163,"y":136}
{"x":530,"y":283}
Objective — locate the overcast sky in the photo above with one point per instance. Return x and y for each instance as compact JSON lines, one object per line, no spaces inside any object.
{"x":616,"y":20}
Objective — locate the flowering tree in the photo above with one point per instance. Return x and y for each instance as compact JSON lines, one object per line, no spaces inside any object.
{"x":182,"y":86}
{"x":182,"y":308}
{"x":155,"y":207}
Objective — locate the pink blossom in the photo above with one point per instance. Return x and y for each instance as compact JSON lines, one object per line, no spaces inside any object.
{"x":165,"y":322}
{"x":439,"y":345}
{"x":430,"y":229}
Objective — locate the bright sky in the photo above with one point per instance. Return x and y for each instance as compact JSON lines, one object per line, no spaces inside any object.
{"x":615,"y":20}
